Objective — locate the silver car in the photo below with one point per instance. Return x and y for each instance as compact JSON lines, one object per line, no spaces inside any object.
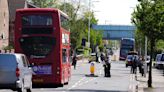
{"x":15,"y":72}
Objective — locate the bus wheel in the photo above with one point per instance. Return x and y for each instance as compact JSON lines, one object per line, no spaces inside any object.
{"x":66,"y":83}
{"x":61,"y":85}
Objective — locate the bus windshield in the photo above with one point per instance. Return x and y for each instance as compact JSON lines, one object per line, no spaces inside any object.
{"x":32,"y":20}
{"x":37,"y":47}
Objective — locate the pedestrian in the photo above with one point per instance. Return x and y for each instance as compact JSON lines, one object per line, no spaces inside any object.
{"x":140,"y":66}
{"x":134,"y":64}
{"x":107,"y":66}
{"x":74,"y":61}
{"x":102,"y":56}
{"x":97,"y":57}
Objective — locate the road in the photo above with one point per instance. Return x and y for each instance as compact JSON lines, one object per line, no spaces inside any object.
{"x":121,"y":80}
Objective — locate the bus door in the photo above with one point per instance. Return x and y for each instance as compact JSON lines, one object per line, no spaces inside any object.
{"x":65,"y":65}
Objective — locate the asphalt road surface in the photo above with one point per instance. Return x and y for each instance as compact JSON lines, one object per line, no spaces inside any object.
{"x":120,"y":81}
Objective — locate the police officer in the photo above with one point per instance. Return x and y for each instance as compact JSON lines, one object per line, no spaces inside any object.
{"x":107,"y":65}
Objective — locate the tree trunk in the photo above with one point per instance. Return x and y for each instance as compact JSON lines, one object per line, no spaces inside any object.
{"x":150,"y":64}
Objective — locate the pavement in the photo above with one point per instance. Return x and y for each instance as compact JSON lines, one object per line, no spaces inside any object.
{"x":157,"y":82}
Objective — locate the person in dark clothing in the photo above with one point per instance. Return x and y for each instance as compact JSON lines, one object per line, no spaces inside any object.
{"x":102,"y":57}
{"x":134,"y":65}
{"x":74,"y":61}
{"x":97,"y":58}
{"x":140,"y":66}
{"x":107,"y":67}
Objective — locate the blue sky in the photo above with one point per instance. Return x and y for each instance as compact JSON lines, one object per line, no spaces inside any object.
{"x":114,"y":11}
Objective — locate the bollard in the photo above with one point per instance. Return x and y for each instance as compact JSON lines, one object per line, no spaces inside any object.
{"x":92,"y":69}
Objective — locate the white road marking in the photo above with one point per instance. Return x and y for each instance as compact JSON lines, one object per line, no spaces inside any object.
{"x":82,"y":82}
{"x":77,"y":83}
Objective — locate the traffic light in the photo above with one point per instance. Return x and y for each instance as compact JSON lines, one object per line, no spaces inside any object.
{"x":83,"y":42}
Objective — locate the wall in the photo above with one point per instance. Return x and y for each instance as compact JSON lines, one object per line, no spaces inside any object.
{"x":4,"y":24}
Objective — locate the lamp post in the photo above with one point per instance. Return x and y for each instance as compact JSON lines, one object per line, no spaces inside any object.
{"x":145,"y":48}
{"x":64,"y":6}
{"x":89,"y":23}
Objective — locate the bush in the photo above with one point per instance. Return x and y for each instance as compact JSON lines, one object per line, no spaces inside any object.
{"x":9,"y":47}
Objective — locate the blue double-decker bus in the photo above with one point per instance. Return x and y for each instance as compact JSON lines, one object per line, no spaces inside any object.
{"x":127,"y":44}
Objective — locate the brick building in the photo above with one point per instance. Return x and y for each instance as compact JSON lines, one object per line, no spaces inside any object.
{"x":4,"y":23}
{"x":7,"y":17}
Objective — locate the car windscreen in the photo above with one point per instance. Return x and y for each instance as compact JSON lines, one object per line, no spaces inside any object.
{"x":129,"y":57}
{"x":37,"y":47}
{"x":7,"y":60}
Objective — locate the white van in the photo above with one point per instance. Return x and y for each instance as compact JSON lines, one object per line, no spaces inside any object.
{"x":15,"y":72}
{"x":159,"y":61}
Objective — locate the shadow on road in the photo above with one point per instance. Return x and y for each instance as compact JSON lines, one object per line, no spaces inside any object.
{"x":47,"y":85}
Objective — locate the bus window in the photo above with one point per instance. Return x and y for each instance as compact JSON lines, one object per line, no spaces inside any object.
{"x":64,"y":55}
{"x":64,"y":22}
{"x":37,"y":47}
{"x":30,"y":20}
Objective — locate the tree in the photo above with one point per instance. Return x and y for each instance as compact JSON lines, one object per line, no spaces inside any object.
{"x":45,"y":3}
{"x":79,"y":25}
{"x":149,"y":18}
{"x":160,"y":46}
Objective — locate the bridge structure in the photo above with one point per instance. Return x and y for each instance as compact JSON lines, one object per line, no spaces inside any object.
{"x":116,"y":32}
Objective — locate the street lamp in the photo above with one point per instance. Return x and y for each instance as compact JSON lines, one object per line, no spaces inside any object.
{"x":89,"y":23}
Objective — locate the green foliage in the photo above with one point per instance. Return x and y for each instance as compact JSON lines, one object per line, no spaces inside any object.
{"x":68,"y":9}
{"x":160,"y":45}
{"x":149,"y":20}
{"x":9,"y":47}
{"x":45,"y":3}
{"x":149,"y":17}
{"x":139,"y":40}
{"x":79,"y":26}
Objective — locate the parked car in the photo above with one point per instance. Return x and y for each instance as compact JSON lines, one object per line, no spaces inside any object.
{"x":15,"y":72}
{"x":159,"y":61}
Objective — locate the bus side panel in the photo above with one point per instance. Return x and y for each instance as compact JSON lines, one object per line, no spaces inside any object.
{"x":17,"y":32}
{"x":57,"y":52}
